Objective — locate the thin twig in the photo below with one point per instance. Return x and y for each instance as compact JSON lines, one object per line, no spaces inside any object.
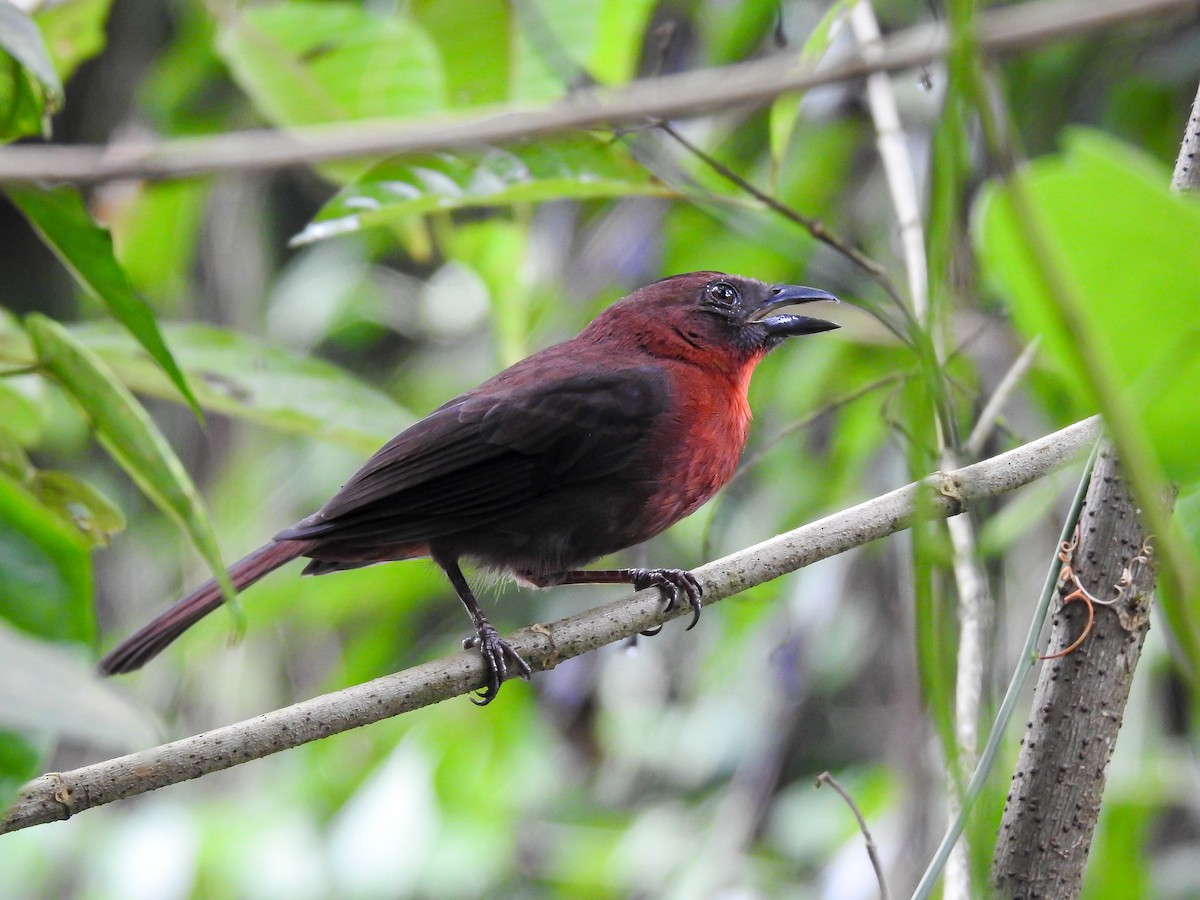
{"x":60,"y":795}
{"x":872,"y":850}
{"x":990,"y":413}
{"x":814,"y":227}
{"x":702,"y":92}
{"x":897,"y":162}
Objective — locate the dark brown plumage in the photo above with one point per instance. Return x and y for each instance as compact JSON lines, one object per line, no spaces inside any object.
{"x":575,"y":452}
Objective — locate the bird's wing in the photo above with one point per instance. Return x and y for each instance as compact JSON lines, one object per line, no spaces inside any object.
{"x":479,"y":455}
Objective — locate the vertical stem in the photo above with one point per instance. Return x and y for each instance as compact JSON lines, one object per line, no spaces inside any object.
{"x":1079,"y":703}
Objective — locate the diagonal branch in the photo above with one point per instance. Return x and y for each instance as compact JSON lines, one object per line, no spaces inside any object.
{"x":60,"y":795}
{"x":1003,"y":30}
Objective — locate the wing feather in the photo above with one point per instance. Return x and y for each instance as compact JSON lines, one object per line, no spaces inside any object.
{"x":482,"y":454}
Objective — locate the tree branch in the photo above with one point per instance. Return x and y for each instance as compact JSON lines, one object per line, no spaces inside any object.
{"x":872,"y":848}
{"x":1079,"y":704}
{"x":688,"y":94}
{"x":60,"y":795}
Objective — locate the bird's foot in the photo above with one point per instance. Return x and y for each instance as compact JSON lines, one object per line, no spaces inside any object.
{"x":498,"y":656}
{"x":675,"y":585}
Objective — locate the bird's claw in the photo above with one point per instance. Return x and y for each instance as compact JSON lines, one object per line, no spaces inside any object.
{"x":674,"y":584}
{"x":498,"y":655}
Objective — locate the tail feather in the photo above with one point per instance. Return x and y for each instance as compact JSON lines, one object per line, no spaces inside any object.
{"x":152,"y":639}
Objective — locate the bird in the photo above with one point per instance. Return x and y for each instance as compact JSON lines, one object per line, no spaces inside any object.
{"x":582,"y":449}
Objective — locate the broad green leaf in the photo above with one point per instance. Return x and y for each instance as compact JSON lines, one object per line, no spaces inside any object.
{"x":45,"y":570}
{"x":86,"y":249}
{"x":73,"y":31}
{"x":128,"y":434}
{"x":21,"y":42}
{"x":573,"y":168}
{"x":47,"y":691}
{"x":482,"y":54}
{"x":237,"y":376}
{"x":1130,"y":248}
{"x":306,"y":63}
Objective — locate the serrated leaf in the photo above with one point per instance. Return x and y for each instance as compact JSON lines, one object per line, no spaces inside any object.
{"x":237,"y":376}
{"x":128,"y":434}
{"x":45,"y":570}
{"x":86,"y":249}
{"x":21,"y":40}
{"x":573,"y":169}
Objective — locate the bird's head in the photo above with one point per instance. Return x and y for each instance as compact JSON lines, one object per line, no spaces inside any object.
{"x":711,"y":313}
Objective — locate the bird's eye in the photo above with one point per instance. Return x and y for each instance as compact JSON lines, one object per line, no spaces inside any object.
{"x":723,"y":292}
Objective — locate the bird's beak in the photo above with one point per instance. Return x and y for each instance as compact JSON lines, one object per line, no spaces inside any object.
{"x":785,"y":324}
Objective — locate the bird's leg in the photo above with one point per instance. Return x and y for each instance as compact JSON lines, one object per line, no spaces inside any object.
{"x":674,"y":584}
{"x":497,"y":654}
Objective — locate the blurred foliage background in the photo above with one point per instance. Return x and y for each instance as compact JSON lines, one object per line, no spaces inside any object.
{"x":313,"y":312}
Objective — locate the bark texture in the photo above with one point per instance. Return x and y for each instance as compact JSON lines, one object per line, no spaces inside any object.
{"x":1054,"y":802}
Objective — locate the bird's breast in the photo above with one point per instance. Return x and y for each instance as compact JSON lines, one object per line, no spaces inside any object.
{"x":700,"y":446}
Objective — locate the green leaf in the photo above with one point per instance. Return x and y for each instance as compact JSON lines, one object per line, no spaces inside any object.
{"x":21,"y":415}
{"x":86,"y":249}
{"x":45,"y":570}
{"x":237,"y":376}
{"x":576,"y":168}
{"x":73,"y":31}
{"x":1129,"y":246}
{"x":77,"y":502}
{"x":482,"y":60}
{"x":128,"y":434}
{"x":22,"y":111}
{"x":305,"y":63}
{"x":21,"y":41}
{"x":616,"y":46}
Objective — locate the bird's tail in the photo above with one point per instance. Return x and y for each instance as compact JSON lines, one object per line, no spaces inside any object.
{"x":154,"y":637}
